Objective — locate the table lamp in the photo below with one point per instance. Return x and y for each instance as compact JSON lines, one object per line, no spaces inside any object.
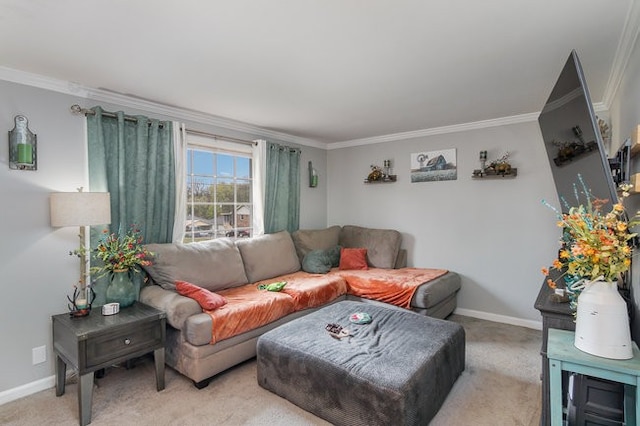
{"x":80,"y":209}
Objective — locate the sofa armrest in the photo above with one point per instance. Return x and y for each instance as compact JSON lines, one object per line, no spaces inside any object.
{"x":178,"y":308}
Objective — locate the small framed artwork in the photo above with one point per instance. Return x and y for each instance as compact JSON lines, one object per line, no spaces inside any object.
{"x":432,"y":166}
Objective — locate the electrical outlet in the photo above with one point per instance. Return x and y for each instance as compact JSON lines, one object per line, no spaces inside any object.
{"x":39,"y":355}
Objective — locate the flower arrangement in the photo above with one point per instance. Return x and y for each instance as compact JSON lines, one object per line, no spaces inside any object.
{"x":595,"y":245}
{"x":120,"y":252}
{"x":501,"y":166}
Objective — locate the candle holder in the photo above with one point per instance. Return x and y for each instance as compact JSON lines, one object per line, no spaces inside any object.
{"x":81,"y":301}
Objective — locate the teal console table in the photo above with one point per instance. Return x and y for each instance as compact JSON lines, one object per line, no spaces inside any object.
{"x":564,"y":356}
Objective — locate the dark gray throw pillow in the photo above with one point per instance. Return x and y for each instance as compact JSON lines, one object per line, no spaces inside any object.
{"x":321,"y":261}
{"x":334,"y":256}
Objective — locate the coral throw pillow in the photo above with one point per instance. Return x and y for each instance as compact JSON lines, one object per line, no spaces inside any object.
{"x":207,"y":299}
{"x":353,"y":258}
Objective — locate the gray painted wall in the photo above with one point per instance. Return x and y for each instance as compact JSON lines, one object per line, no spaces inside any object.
{"x":495,"y":233}
{"x":35,"y":269}
{"x":625,"y":116}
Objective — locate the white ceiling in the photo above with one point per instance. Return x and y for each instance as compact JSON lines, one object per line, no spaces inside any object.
{"x":329,"y":71}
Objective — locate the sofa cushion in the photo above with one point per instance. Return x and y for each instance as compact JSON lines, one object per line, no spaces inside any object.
{"x":205,"y":298}
{"x":268,"y":256}
{"x":307,"y":240}
{"x":311,"y":290}
{"x":392,"y":286}
{"x":321,"y":261}
{"x":214,"y":264}
{"x":382,"y":245}
{"x":248,"y":308}
{"x":353,"y":258}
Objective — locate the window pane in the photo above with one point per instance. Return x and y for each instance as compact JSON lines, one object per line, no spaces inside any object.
{"x":202,"y":163}
{"x":243,"y":216}
{"x":243,"y":167}
{"x":224,"y":191}
{"x":201,"y":189}
{"x":197,"y":228}
{"x":225,"y":165}
{"x":243,"y":193}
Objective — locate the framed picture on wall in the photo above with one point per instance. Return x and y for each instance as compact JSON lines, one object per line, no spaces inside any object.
{"x":430,"y":166}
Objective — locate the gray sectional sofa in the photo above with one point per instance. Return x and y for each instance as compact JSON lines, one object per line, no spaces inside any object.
{"x":230,"y":268}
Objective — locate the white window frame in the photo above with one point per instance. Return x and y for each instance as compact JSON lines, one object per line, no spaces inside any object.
{"x":217,"y":145}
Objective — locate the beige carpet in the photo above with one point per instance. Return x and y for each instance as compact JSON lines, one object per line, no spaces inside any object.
{"x":500,"y":386}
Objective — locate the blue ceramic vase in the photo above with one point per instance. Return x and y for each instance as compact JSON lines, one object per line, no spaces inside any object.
{"x":121,"y":288}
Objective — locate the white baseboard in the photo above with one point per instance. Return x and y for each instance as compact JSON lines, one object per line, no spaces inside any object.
{"x":27,"y":389}
{"x":536,"y":325}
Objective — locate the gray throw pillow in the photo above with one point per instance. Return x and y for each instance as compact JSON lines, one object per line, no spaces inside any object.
{"x":316,"y":262}
{"x":321,"y":261}
{"x":334,"y":255}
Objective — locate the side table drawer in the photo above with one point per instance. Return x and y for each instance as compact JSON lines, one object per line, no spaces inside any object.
{"x":111,"y":346}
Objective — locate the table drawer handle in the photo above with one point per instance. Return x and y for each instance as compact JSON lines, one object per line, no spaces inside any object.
{"x":127,"y":341}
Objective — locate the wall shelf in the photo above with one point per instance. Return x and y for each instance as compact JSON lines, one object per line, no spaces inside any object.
{"x":490,"y":174}
{"x":386,"y":179}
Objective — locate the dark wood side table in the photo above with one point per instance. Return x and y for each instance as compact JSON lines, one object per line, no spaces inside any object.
{"x":93,"y":342}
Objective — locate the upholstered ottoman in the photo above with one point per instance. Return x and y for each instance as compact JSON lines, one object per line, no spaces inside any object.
{"x":396,"y":370}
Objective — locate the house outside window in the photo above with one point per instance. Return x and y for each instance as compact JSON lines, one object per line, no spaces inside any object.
{"x":219,"y":189}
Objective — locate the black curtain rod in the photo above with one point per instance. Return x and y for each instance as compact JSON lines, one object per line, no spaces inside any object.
{"x":79,"y":110}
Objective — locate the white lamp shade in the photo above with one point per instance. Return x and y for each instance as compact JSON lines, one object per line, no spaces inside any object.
{"x":80,"y":208}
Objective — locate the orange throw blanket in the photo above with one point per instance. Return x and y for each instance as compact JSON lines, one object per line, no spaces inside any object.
{"x":247,"y":308}
{"x":393,"y":286}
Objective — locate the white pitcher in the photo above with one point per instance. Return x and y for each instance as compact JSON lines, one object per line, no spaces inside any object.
{"x":602,"y":321}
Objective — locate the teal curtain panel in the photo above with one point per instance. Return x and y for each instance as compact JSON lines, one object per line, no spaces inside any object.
{"x":282,"y":189}
{"x":135,"y":162}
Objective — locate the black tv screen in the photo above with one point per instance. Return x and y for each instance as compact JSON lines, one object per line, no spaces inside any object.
{"x":573,"y":141}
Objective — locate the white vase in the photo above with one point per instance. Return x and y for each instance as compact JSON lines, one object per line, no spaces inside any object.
{"x":602,"y":322}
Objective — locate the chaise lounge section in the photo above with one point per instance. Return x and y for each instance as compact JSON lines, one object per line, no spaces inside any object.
{"x":204,"y":342}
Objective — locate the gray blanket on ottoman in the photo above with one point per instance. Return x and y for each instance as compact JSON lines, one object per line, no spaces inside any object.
{"x":397,"y":370}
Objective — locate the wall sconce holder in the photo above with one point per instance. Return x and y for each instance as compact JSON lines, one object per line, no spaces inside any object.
{"x":22,"y":146}
{"x":313,"y":176}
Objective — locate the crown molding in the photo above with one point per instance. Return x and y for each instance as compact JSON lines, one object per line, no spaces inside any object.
{"x":197,"y":116}
{"x":464,"y":127}
{"x":42,"y":82}
{"x":624,"y":50}
{"x":101,"y":95}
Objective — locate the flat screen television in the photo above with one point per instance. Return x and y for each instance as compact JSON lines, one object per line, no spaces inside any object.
{"x":573,"y":141}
